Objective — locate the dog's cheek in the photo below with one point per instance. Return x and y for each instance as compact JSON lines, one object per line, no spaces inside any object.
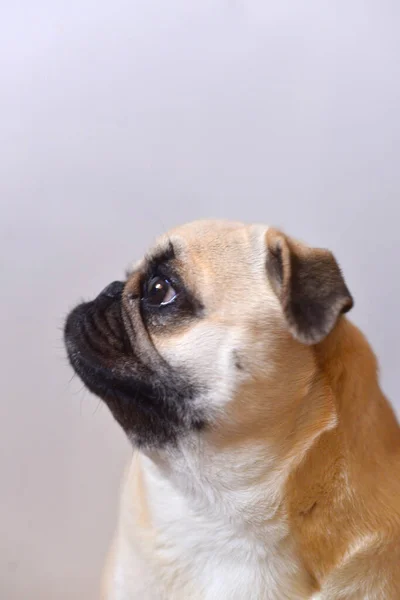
{"x":211,"y":356}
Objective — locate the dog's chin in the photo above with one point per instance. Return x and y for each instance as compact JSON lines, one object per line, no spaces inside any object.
{"x":154,"y":404}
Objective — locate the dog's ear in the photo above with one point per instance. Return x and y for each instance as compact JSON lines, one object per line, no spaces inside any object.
{"x":309,"y":285}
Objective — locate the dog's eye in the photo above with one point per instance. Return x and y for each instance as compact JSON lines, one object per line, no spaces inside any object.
{"x":159,"y":292}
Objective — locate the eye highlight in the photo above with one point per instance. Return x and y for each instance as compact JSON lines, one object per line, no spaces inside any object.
{"x":158,"y":291}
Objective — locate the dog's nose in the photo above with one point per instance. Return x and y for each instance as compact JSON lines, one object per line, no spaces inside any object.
{"x":113,"y":291}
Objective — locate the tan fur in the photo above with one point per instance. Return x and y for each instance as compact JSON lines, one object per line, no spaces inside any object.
{"x":303,"y":455}
{"x":347,"y":489}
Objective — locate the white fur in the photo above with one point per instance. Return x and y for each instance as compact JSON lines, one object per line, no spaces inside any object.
{"x":219,"y":531}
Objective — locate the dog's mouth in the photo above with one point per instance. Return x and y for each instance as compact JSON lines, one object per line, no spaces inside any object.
{"x":149,"y":399}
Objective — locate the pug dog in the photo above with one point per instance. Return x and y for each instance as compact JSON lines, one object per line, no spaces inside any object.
{"x":266,"y":459}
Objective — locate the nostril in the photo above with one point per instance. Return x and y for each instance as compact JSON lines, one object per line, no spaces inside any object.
{"x":113,"y":290}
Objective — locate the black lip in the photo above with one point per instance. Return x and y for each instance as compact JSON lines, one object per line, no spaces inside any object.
{"x":101,"y":381}
{"x":142,"y":410}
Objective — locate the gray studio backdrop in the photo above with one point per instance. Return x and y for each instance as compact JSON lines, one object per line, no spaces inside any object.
{"x":120,"y":119}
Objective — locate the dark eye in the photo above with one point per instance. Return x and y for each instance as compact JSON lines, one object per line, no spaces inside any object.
{"x":159,"y":292}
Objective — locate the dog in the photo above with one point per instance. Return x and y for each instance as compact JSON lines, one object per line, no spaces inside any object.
{"x":266,"y":461}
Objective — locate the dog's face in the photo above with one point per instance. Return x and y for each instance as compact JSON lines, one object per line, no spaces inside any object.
{"x":215,"y":313}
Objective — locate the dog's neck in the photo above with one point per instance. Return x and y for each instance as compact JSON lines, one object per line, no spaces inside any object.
{"x":239,"y":472}
{"x":313,"y":477}
{"x":234,"y":487}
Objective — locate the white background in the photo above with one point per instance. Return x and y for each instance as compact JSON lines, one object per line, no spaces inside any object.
{"x":119,"y":119}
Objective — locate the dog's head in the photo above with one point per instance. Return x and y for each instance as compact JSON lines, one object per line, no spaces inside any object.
{"x":208,"y":331}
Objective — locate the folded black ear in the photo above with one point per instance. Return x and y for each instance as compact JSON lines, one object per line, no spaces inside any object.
{"x":309,"y":284}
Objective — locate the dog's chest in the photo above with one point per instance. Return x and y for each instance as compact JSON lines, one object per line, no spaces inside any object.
{"x":202,"y":555}
{"x":210,"y":562}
